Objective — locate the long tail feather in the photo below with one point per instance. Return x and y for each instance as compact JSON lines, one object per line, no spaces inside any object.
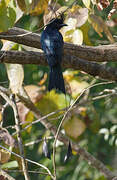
{"x":56,"y":80}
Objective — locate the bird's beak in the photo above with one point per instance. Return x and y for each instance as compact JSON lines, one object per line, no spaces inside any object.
{"x":63,"y":25}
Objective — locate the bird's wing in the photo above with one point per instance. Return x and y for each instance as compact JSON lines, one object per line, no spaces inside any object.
{"x":52,"y":44}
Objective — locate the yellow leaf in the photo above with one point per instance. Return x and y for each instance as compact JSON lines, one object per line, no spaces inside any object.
{"x":16,"y":76}
{"x":22,"y":5}
{"x":85,"y":29}
{"x":69,"y":74}
{"x":77,"y":37}
{"x":7,"y":2}
{"x":15,"y":71}
{"x":52,"y":101}
{"x":4,"y":156}
{"x":74,"y":127}
{"x":77,"y":86}
{"x":86,"y":3}
{"x":38,"y":6}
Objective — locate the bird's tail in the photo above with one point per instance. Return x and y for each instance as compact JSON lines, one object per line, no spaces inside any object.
{"x":56,"y":80}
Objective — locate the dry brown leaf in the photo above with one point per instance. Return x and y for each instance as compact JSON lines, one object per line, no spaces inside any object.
{"x":80,"y":14}
{"x":100,"y":26}
{"x":74,"y":127}
{"x":7,"y":138}
{"x":35,"y":94}
{"x":50,"y":13}
{"x":4,"y":156}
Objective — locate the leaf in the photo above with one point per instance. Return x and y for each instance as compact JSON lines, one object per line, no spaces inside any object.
{"x":86,"y":3}
{"x":104,"y":131}
{"x":15,"y":71}
{"x":22,"y":5}
{"x":75,"y":84}
{"x":9,"y":165}
{"x":4,"y":20}
{"x":69,"y":152}
{"x":52,"y":101}
{"x":7,"y":138}
{"x":80,"y":14}
{"x":35,"y":93}
{"x":74,"y":127}
{"x":77,"y":37}
{"x":85,"y":30}
{"x":4,"y":156}
{"x":7,"y":16}
{"x":94,"y":1}
{"x":113,"y":129}
{"x":12,"y":16}
{"x":100,"y":26}
{"x":51,"y":13}
{"x":38,"y":6}
{"x":7,"y":2}
{"x":16,"y":76}
{"x":77,"y":87}
{"x":46,"y":150}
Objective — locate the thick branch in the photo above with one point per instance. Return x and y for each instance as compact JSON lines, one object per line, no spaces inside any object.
{"x":99,"y":53}
{"x":30,"y":57}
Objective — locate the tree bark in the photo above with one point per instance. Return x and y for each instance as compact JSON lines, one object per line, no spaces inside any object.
{"x":99,"y":53}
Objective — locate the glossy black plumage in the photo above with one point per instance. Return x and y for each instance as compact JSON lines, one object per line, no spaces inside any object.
{"x":52,"y":45}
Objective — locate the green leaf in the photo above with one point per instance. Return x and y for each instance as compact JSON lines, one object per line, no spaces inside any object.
{"x":9,"y":165}
{"x":53,"y":101}
{"x":12,"y":16}
{"x":4,"y":21}
{"x":7,"y":16}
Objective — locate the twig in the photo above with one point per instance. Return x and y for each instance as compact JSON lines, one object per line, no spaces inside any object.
{"x":35,"y":172}
{"x":3,"y":173}
{"x":41,"y":119}
{"x":17,"y":121}
{"x":28,"y":160}
{"x":38,"y":140}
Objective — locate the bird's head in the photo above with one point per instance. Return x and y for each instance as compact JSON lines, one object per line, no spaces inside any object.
{"x":56,"y":23}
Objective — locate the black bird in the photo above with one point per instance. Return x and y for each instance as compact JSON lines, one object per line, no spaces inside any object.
{"x":52,"y":45}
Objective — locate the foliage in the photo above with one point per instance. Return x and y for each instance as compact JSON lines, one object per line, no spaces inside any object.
{"x":93,"y":122}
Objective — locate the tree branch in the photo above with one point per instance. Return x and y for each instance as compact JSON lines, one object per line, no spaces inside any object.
{"x":30,"y":57}
{"x":3,"y":173}
{"x":99,"y":53}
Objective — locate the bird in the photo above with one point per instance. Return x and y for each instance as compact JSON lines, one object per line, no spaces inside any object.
{"x":52,"y":45}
